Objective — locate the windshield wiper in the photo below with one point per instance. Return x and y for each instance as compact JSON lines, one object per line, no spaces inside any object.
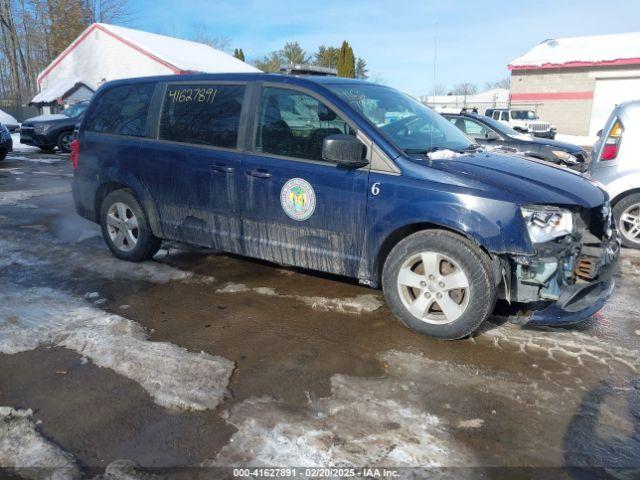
{"x":474,"y":147}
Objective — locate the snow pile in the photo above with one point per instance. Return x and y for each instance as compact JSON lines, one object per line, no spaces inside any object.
{"x":372,"y":422}
{"x":590,"y":49}
{"x":358,"y":304}
{"x":18,"y":147}
{"x":183,"y":54}
{"x":173,"y":376}
{"x":23,"y":448}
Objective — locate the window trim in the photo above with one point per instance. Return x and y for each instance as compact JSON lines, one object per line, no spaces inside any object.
{"x":251,"y":147}
{"x":242,"y":123}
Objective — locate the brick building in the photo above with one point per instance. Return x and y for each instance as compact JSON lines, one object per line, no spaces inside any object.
{"x":575,"y":82}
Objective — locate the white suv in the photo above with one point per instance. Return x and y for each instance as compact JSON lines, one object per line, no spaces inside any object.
{"x":525,"y":121}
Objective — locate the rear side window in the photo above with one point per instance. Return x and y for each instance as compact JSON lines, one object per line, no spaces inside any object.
{"x":122,"y":110}
{"x":202,"y":114}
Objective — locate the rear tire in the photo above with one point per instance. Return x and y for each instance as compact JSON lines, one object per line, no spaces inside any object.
{"x":439,"y":284}
{"x":627,"y":216}
{"x":125,"y":227}
{"x":3,"y":155}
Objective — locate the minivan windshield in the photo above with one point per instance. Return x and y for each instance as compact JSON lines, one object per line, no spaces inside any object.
{"x":74,"y":110}
{"x":523,"y":115}
{"x":412,"y":126}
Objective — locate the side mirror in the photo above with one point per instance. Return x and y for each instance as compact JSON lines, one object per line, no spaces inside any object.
{"x":345,"y":150}
{"x":491,"y":136}
{"x":599,"y":134}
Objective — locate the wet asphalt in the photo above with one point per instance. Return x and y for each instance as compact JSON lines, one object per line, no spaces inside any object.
{"x":506,"y":397}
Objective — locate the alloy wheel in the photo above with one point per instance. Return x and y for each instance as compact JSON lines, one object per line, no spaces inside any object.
{"x":629,"y":223}
{"x":433,"y":287}
{"x":122,"y":226}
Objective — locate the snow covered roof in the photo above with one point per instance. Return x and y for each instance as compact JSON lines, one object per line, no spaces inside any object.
{"x":184,"y":55}
{"x":617,"y":49}
{"x":7,"y":119}
{"x":488,"y":96}
{"x":59,"y":90}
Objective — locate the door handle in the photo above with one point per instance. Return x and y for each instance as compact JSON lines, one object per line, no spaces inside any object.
{"x":259,"y":173}
{"x":222,"y":168}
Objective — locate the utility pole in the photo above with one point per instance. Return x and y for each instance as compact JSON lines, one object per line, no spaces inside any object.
{"x":435,"y":59}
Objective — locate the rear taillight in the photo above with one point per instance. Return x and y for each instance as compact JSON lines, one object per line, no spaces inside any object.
{"x":612,"y":142}
{"x":75,"y":150}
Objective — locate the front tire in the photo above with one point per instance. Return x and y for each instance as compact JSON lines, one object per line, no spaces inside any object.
{"x":125,"y":227}
{"x":64,"y":141}
{"x":439,"y":284}
{"x":627,"y":217}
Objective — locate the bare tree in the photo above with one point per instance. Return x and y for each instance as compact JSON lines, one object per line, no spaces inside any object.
{"x":464,"y":88}
{"x":201,"y":33}
{"x":502,"y":83}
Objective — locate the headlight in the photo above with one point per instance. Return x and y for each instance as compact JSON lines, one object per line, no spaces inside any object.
{"x":545,"y":223}
{"x":565,"y":156}
{"x":41,"y":128}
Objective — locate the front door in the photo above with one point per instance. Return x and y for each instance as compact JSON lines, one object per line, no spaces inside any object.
{"x":297,"y":208}
{"x":198,"y":164}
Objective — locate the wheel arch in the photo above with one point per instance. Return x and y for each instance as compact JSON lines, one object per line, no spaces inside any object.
{"x":404,"y":231}
{"x":622,"y":195}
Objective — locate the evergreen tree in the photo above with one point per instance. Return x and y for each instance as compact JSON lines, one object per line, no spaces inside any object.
{"x":239,"y":54}
{"x":327,"y":56}
{"x":346,"y":61}
{"x":361,"y":69}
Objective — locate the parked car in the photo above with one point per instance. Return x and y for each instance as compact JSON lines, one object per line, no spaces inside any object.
{"x":9,"y":122}
{"x":524,"y":121}
{"x":312,"y":172}
{"x":6,"y":142}
{"x":491,"y":133}
{"x":615,"y":165}
{"x":50,"y":131}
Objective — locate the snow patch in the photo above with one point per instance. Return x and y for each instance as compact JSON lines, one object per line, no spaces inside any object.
{"x":444,"y":154}
{"x":100,"y":263}
{"x":24,"y":449}
{"x":358,"y":304}
{"x":473,"y":423}
{"x":15,"y":196}
{"x":45,"y":161}
{"x":173,"y":376}
{"x":365,"y":421}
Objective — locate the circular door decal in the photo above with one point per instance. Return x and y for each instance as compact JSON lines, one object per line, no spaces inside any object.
{"x":298,"y":199}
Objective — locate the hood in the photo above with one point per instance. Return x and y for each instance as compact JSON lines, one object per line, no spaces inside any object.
{"x":569,"y":147}
{"x":46,"y":117}
{"x":526,"y":181}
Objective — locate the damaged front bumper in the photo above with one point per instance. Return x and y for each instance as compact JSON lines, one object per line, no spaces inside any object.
{"x":573,"y":276}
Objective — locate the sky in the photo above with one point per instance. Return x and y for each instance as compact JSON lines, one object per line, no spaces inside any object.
{"x":475,"y":39}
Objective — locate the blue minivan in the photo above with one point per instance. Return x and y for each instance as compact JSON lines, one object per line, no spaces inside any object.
{"x":336,"y":175}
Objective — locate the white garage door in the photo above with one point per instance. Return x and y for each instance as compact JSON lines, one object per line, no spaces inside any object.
{"x":608,"y":93}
